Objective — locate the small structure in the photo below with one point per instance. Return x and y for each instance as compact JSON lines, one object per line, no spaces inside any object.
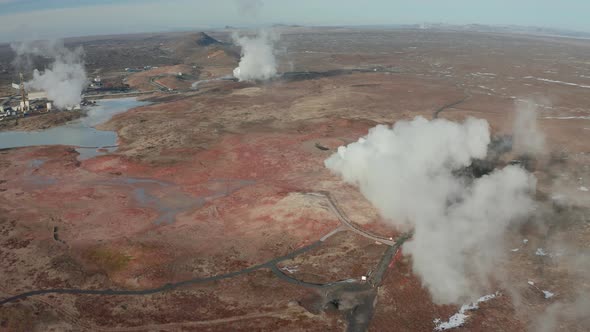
{"x":96,"y":83}
{"x":37,"y":95}
{"x":7,"y":112}
{"x":74,"y":107}
{"x":24,"y":104}
{"x":24,"y":107}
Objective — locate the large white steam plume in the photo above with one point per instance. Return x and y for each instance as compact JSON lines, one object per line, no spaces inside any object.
{"x":406,"y":171}
{"x":258,"y":60}
{"x":64,"y":79}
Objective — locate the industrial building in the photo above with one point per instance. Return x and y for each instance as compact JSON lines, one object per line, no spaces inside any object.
{"x":29,"y":102}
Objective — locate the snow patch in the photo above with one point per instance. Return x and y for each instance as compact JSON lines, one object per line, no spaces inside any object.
{"x":460,"y":318}
{"x":291,"y":270}
{"x":484,"y":74}
{"x":582,"y":188}
{"x":542,"y":252}
{"x":548,"y":294}
{"x":557,"y":82}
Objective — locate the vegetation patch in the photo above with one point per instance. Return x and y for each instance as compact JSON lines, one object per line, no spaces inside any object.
{"x":107,"y":259}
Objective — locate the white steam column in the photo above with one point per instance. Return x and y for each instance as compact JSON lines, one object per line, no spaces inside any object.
{"x":258,"y":60}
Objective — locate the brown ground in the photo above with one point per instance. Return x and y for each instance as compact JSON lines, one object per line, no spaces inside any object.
{"x":234,"y":159}
{"x":141,"y":81}
{"x":40,"y":121}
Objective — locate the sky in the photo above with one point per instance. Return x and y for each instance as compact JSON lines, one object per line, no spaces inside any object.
{"x":37,"y":19}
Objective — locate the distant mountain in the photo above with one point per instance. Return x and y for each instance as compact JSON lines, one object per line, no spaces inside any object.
{"x":200,"y":48}
{"x":281,"y":25}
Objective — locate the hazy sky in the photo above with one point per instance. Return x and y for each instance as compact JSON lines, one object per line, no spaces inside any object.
{"x":26,"y":19}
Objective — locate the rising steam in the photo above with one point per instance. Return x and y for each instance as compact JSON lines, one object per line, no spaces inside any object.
{"x":64,"y":79}
{"x":407,"y":172}
{"x":258,"y":60}
{"x":250,"y":7}
{"x":528,"y":138}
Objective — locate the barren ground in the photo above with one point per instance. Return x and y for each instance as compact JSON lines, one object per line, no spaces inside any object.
{"x":41,"y":121}
{"x":213,"y":181}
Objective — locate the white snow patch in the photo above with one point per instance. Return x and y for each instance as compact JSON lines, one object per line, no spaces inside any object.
{"x":531,"y":283}
{"x":540,"y":252}
{"x":460,"y":318}
{"x":484,"y":74}
{"x":514,"y":250}
{"x":582,"y":188}
{"x":548,"y":294}
{"x":290,"y":269}
{"x":525,"y":241}
{"x":558,"y":82}
{"x":486,"y":88}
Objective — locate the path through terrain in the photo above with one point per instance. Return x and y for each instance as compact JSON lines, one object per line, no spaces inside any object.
{"x":270,"y":265}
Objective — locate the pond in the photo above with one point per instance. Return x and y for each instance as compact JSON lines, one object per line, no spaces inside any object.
{"x":79,"y":133}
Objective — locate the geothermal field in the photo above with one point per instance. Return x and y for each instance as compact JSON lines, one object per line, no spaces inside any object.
{"x":299,"y":179}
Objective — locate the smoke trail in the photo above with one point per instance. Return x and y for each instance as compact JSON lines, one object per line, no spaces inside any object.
{"x":408,"y":173}
{"x":258,"y":60}
{"x":64,"y":79}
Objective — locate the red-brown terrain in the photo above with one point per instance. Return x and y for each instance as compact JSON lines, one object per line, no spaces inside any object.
{"x":212,"y":181}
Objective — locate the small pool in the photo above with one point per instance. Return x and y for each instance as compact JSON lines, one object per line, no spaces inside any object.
{"x":79,"y":133}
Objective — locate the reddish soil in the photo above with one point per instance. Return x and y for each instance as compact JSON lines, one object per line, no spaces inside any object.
{"x":141,"y":81}
{"x":211,"y":181}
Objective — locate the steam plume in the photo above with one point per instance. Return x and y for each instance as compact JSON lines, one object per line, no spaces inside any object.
{"x":407,"y":172}
{"x":566,"y":310}
{"x":527,"y":136}
{"x":64,"y":79}
{"x":258,"y":60}
{"x":576,"y":311}
{"x":250,"y":7}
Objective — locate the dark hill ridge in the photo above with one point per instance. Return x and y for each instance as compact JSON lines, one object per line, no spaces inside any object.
{"x":204,"y":39}
{"x":202,"y":49}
